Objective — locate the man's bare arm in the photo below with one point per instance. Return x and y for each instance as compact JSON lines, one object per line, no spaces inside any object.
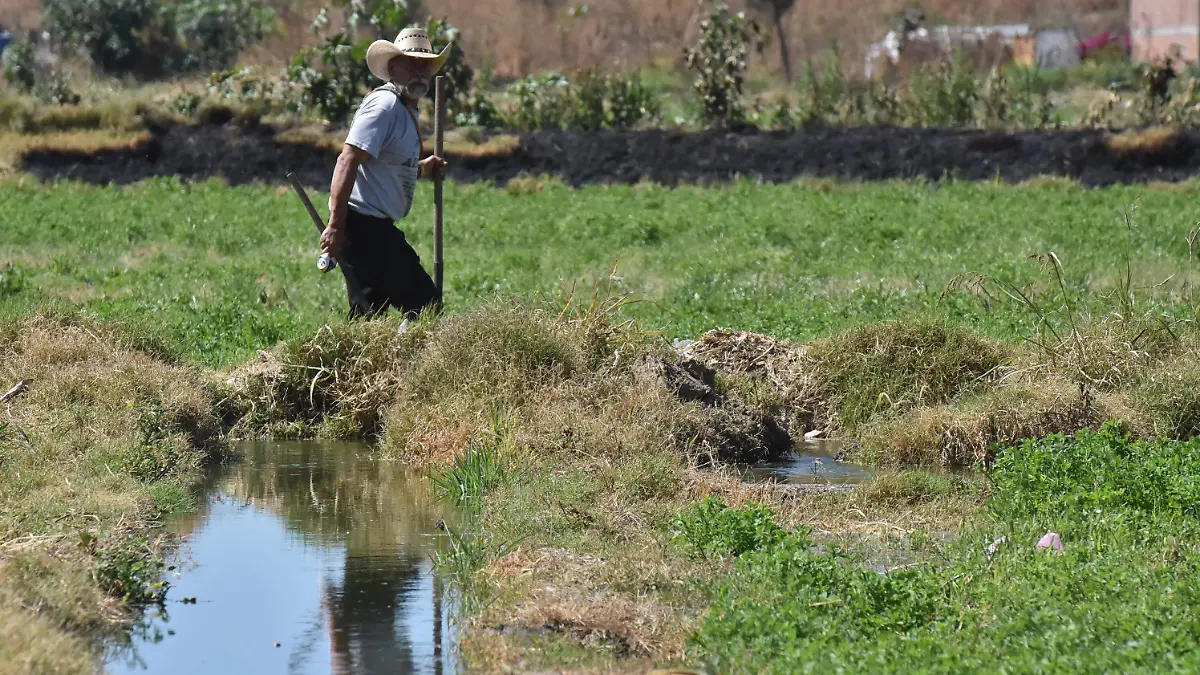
{"x":339,"y":196}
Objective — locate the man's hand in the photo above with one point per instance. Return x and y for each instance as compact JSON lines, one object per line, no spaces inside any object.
{"x":433,"y":167}
{"x":331,"y":241}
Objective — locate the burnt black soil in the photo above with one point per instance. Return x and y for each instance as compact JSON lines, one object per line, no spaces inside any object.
{"x":198,"y":152}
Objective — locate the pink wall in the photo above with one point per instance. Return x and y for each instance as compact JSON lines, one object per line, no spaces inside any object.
{"x":1156,"y":25}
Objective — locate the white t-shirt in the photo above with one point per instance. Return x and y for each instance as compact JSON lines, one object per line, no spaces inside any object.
{"x":383,"y":127}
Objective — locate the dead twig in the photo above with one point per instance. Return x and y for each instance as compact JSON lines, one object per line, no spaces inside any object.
{"x":16,"y":391}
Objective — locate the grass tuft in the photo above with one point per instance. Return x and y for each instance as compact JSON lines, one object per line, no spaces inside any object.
{"x":93,"y":454}
{"x":1150,"y":143}
{"x":893,"y":367}
{"x":963,"y":434}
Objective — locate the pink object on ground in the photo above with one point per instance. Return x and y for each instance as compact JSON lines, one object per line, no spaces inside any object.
{"x":1051,"y":540}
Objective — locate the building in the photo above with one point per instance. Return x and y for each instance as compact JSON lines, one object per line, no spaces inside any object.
{"x":944,"y":38}
{"x":1159,"y":26}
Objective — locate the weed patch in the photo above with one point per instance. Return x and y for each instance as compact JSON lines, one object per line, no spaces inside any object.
{"x":90,"y":454}
{"x":964,"y":434}
{"x":1123,"y":509}
{"x":898,"y":366}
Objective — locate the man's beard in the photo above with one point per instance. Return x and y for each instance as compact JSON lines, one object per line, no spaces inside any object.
{"x":414,"y":91}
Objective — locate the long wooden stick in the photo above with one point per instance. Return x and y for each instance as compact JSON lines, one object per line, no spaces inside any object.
{"x":439,"y":129}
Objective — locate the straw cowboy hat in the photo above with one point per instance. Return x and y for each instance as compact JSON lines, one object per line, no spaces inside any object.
{"x":412,"y":42}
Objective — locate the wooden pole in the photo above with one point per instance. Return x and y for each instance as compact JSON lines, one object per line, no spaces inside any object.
{"x":439,"y":130}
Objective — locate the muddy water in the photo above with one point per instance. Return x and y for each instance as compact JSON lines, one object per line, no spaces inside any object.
{"x":304,"y":558}
{"x":811,"y":462}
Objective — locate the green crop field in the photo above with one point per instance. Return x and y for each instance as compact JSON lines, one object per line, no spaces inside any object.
{"x":221,"y":272}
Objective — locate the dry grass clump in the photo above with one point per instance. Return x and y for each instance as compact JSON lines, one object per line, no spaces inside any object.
{"x":1170,"y":397}
{"x":574,"y":385}
{"x":963,"y":434}
{"x":24,"y":115}
{"x":839,"y":383}
{"x":1154,"y":142}
{"x":1108,"y":355}
{"x":897,"y":366}
{"x":563,"y":383}
{"x":90,"y":454}
{"x":336,"y":384}
{"x":32,"y":644}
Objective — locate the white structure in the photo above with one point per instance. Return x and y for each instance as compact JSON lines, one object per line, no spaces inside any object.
{"x":944,"y":36}
{"x":1057,"y":49}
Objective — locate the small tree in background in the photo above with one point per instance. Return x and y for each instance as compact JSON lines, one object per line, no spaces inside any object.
{"x":333,"y":76}
{"x":777,"y":9}
{"x":109,"y":32}
{"x":155,"y":37}
{"x":719,"y":58}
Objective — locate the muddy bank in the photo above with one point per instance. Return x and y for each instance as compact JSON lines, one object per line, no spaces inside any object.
{"x":667,"y":157}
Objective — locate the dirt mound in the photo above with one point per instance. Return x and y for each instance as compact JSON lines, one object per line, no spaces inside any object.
{"x":668,"y":157}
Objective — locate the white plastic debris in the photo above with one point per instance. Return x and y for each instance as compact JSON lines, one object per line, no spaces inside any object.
{"x":995,"y":546}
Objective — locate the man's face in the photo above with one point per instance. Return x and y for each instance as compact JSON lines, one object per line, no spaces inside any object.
{"x":412,"y":75}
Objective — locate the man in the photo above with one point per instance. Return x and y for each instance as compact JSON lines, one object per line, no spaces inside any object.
{"x":375,"y":178}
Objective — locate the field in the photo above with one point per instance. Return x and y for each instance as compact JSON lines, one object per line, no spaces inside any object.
{"x":926,"y":322}
{"x":220,"y":272}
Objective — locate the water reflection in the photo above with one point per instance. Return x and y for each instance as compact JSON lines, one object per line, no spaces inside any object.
{"x":316,"y":547}
{"x":811,"y":462}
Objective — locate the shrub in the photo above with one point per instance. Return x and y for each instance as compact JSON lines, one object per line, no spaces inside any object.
{"x":156,"y":36}
{"x":712,"y":529}
{"x":19,"y":67}
{"x":541,"y":101}
{"x":592,"y":101}
{"x":210,"y":34}
{"x":333,"y":76}
{"x":941,"y":94}
{"x":719,"y":59}
{"x":45,"y":83}
{"x":108,"y":31}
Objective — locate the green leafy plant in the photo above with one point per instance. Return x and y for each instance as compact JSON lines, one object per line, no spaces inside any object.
{"x":712,"y":529}
{"x":155,"y":36}
{"x":19,"y":65}
{"x":333,"y":76}
{"x":589,"y":101}
{"x":211,"y":33}
{"x":719,"y":59}
{"x":110,"y":32}
{"x":1091,"y":474}
{"x":131,"y":572}
{"x":45,"y":83}
{"x":942,"y":93}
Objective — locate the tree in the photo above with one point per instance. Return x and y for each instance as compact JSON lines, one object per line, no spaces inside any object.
{"x":777,"y":9}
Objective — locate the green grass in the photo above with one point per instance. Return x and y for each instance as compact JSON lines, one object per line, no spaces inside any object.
{"x":221,"y":272}
{"x":1121,"y":598}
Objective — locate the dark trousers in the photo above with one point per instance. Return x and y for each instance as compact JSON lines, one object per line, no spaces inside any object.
{"x":381,"y":269}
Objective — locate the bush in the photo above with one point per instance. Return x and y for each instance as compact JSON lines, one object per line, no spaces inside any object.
{"x":19,"y":67}
{"x":719,"y":59}
{"x":108,"y":31}
{"x":333,"y":76}
{"x":212,"y":33}
{"x":46,"y":84}
{"x":592,"y":101}
{"x":157,"y":36}
{"x":712,"y":529}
